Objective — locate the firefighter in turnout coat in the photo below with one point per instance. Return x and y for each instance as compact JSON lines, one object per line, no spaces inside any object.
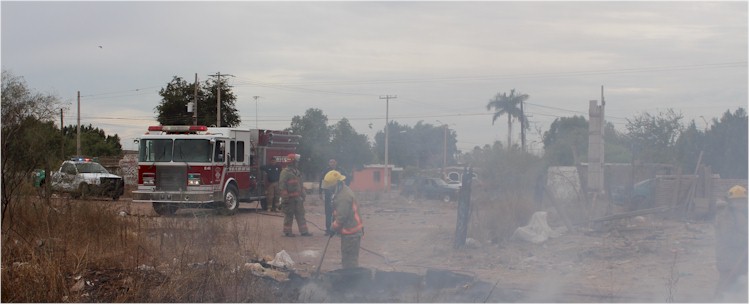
{"x":346,"y":220}
{"x":731,"y":244}
{"x":292,"y":197}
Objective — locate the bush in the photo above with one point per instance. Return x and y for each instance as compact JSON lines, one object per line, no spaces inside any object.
{"x":506,"y":194}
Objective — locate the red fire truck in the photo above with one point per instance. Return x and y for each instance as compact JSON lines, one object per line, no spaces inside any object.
{"x":206,"y":167}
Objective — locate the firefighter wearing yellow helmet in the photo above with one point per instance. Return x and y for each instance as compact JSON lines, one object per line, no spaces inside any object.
{"x":731,"y":244}
{"x":292,"y":197}
{"x":346,"y":219}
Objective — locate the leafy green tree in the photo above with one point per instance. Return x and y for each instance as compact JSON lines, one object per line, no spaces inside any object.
{"x":726,"y":144}
{"x":28,"y":133}
{"x":508,"y":104}
{"x":94,"y":142}
{"x":400,"y":151}
{"x":421,"y":146}
{"x":654,"y":137}
{"x":566,"y":141}
{"x":616,"y":145}
{"x":351,"y":149}
{"x":172,"y":110}
{"x":689,"y":145}
{"x":314,"y":146}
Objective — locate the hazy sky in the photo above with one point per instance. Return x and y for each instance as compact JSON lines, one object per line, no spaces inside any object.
{"x":443,"y":60}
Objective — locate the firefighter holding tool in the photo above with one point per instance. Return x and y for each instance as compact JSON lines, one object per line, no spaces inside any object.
{"x":346,"y":220}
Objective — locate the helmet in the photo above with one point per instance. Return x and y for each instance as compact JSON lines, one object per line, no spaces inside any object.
{"x":737,"y":191}
{"x":331,"y":178}
{"x":293,"y":157}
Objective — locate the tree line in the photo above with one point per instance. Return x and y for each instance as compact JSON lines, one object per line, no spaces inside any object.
{"x":30,"y":138}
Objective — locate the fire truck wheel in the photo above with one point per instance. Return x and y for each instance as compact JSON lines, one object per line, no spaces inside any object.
{"x":231,"y":202}
{"x":164,"y":209}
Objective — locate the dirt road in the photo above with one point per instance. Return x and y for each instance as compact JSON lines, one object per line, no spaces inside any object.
{"x":644,"y":259}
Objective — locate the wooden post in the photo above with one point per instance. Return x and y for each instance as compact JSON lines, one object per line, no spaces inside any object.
{"x":464,"y":209}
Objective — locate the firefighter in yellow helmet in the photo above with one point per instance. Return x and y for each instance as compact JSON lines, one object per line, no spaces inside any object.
{"x":292,"y":197}
{"x":731,"y":244}
{"x":346,"y":219}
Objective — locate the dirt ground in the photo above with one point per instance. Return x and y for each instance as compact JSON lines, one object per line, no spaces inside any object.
{"x":646,"y":259}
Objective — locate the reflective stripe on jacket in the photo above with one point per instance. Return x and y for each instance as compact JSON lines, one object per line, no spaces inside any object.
{"x":289,"y":183}
{"x":346,"y":219}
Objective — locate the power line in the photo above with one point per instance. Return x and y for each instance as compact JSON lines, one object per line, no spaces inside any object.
{"x":522,"y":75}
{"x":295,"y":86}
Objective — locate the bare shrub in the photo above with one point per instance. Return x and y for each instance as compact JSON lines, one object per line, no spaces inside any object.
{"x":495,"y":218}
{"x":504,"y":197}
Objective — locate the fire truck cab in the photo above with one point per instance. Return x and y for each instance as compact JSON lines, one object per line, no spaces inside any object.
{"x":206,"y":167}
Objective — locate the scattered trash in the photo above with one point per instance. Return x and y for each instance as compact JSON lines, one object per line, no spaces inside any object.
{"x":19,"y":264}
{"x":310,"y":253}
{"x":282,"y":260}
{"x":200,"y":265}
{"x":78,"y":286}
{"x":537,"y":231}
{"x":145,"y":267}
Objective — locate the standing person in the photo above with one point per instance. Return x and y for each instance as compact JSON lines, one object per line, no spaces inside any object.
{"x":731,"y":244}
{"x":346,"y":219}
{"x":332,"y":165}
{"x":273,"y":171}
{"x":292,"y":197}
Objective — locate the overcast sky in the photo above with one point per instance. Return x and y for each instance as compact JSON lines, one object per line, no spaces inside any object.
{"x":443,"y":60}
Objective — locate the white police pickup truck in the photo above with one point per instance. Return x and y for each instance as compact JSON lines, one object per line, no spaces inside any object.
{"x":82,"y":178}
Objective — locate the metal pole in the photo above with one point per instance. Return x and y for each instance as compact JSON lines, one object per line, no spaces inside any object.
{"x":256,"y":110}
{"x":445,"y":148}
{"x":62,"y":131}
{"x":195,"y":101}
{"x":218,"y":99}
{"x":386,"y":182}
{"x":78,"y":129}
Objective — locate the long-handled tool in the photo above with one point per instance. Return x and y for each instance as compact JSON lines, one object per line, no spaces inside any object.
{"x":317,"y":271}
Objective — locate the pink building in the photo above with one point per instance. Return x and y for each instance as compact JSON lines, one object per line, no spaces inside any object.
{"x":371,"y":177}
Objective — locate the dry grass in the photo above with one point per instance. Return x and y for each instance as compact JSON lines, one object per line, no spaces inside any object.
{"x":84,"y":251}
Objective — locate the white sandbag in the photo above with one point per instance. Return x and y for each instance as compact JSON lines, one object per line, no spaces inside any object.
{"x":537,"y":231}
{"x":282,"y":260}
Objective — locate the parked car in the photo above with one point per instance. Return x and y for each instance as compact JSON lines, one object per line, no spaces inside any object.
{"x":642,"y":196}
{"x":430,"y":188}
{"x":82,"y":178}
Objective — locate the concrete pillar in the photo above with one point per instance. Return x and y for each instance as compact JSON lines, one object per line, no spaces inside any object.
{"x":596,"y":147}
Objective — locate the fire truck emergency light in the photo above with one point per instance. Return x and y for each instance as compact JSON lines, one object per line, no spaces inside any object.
{"x":183,"y":128}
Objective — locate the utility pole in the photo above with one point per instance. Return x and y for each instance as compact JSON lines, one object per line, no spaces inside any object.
{"x":195,"y":101}
{"x":218,"y":96}
{"x":523,"y":129}
{"x":78,"y":129}
{"x":445,"y":148}
{"x":256,"y":110}
{"x":62,"y":131}
{"x":387,"y":99}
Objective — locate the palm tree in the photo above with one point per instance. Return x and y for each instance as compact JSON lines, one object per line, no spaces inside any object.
{"x":508,"y":104}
